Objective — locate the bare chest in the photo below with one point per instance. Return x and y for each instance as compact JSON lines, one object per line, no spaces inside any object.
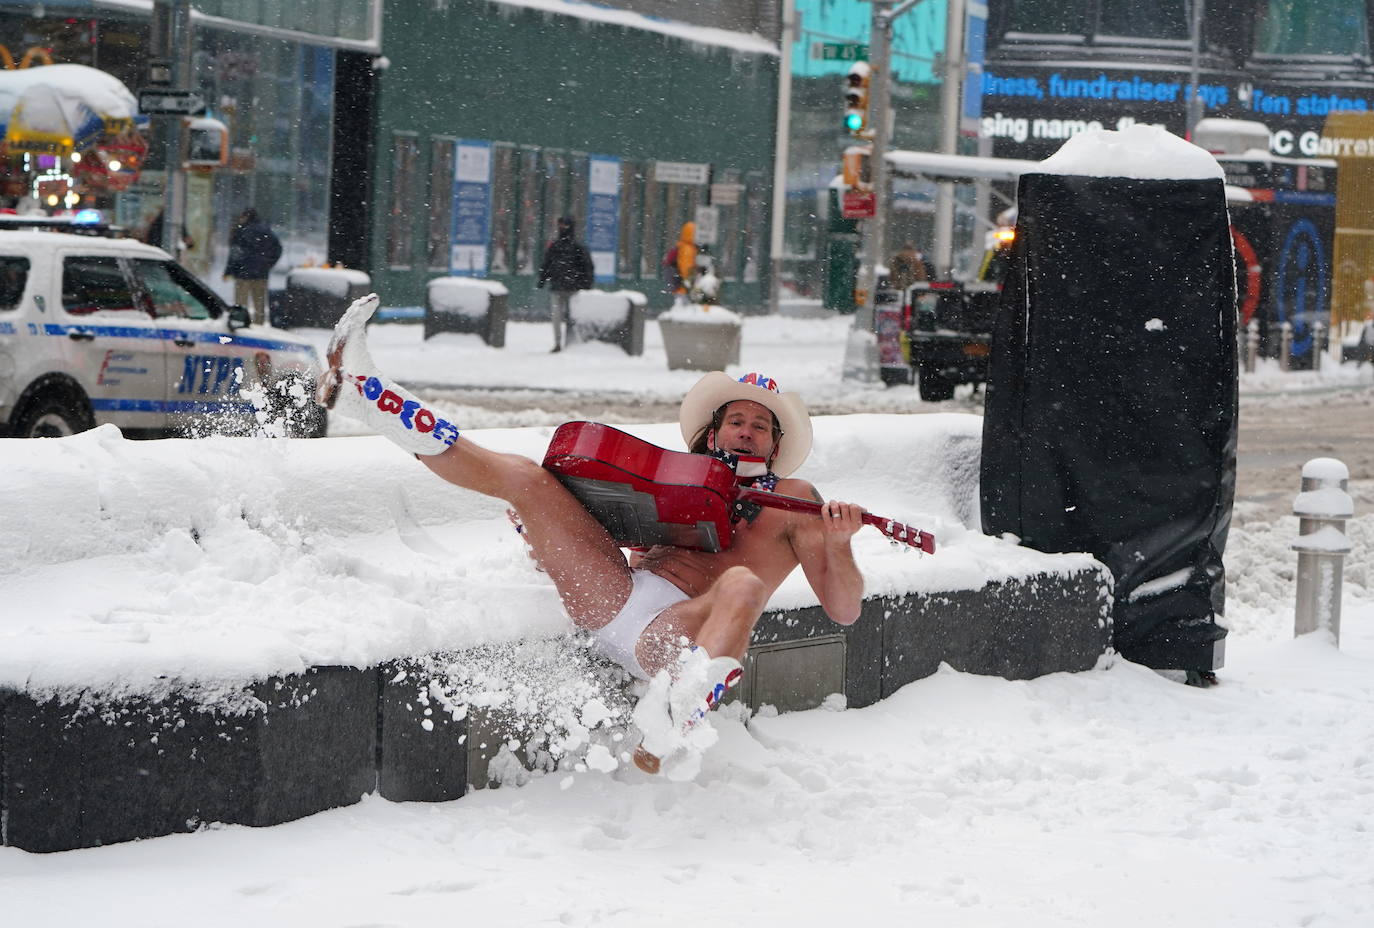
{"x":764,"y":546}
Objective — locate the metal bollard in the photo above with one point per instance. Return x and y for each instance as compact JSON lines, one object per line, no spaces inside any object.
{"x":1318,"y":344}
{"x":1251,"y":345}
{"x":1322,"y":509}
{"x":1285,"y":346}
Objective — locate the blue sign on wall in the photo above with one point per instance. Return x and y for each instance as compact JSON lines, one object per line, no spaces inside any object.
{"x":603,"y":214}
{"x":471,"y":226}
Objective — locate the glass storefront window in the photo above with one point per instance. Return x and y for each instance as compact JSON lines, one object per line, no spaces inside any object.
{"x":527,"y":254}
{"x":577,"y":192}
{"x":555,"y":185}
{"x":675,"y":211}
{"x":405,"y":164}
{"x":1313,"y":27}
{"x":277,"y":98}
{"x":440,"y":202}
{"x":756,"y":227}
{"x":652,"y":249}
{"x":503,"y":208}
{"x":727,"y":247}
{"x":1049,"y":17}
{"x":346,"y":19}
{"x":1163,"y":19}
{"x":630,"y":218}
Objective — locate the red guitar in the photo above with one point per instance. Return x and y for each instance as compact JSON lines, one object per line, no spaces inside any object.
{"x":646,"y":495}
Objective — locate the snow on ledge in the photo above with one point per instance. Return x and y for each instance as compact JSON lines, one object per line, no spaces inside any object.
{"x":209,"y":563}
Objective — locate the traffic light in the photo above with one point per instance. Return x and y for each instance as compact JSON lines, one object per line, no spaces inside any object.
{"x":856,"y":84}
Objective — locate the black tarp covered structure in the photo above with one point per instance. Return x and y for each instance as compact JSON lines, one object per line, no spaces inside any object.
{"x":1110,"y":419}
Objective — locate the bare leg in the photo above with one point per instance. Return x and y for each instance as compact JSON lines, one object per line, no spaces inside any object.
{"x":720,"y":621}
{"x":581,"y":558}
{"x":585,"y":564}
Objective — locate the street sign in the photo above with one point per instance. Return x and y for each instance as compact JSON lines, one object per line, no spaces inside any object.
{"x":680,"y":172}
{"x":839,"y":51}
{"x":723,"y":194}
{"x":707,"y":219}
{"x":858,"y":204}
{"x":158,"y":102}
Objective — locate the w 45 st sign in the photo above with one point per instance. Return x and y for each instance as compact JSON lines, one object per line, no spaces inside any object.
{"x":839,"y":51}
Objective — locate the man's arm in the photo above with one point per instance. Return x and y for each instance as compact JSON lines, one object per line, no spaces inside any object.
{"x":822,"y":547}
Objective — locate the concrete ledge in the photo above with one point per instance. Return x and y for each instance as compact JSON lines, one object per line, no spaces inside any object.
{"x":421,"y":756}
{"x":1016,"y":629}
{"x":75,"y":774}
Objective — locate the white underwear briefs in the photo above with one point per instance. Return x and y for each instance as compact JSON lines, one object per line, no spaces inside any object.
{"x":649,"y":596}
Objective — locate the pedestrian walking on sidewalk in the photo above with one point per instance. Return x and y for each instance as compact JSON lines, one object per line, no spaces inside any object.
{"x":253,"y":249}
{"x":567,"y":268}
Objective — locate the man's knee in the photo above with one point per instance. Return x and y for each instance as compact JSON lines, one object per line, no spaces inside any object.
{"x":524,"y":475}
{"x":741,"y":586}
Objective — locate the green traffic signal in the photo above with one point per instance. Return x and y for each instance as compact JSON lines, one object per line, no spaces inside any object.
{"x":853,"y":122}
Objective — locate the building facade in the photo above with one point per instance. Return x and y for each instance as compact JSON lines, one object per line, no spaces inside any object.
{"x":495,"y":118}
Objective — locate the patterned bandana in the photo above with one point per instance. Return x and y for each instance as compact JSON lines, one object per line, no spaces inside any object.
{"x":749,"y":472}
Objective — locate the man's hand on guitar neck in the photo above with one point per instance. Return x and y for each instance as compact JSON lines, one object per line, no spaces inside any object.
{"x":841,"y":521}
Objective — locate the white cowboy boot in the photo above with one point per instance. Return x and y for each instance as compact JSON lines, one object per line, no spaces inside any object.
{"x":670,"y":714}
{"x":351,"y":383}
{"x":702,"y":682}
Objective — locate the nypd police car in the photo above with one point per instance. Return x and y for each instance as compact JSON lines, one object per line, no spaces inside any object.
{"x":97,"y":330}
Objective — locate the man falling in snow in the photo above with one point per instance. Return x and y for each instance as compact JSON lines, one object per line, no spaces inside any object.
{"x":643,"y":609}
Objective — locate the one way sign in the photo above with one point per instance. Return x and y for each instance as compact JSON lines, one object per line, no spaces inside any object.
{"x":171,"y":103}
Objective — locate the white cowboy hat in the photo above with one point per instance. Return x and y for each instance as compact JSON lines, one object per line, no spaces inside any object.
{"x":718,"y":388}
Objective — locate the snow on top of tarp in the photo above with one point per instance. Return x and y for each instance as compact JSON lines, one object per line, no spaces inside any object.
{"x":102,"y":92}
{"x":220,"y":560}
{"x":1140,"y":151}
{"x":702,"y":35}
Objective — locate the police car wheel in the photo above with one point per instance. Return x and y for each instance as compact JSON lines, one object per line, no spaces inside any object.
{"x":53,"y":418}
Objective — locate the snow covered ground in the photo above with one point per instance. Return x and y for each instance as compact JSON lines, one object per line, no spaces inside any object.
{"x":1114,"y":797}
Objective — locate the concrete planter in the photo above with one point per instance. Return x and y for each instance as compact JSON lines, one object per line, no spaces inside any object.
{"x":700,"y":346}
{"x":616,"y":317}
{"x":470,"y":305}
{"x":317,"y":296}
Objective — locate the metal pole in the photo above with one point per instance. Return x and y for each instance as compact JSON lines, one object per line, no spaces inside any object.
{"x":951,"y":110}
{"x":1322,"y":509}
{"x":1194,"y":109}
{"x":177,"y":36}
{"x":861,"y":353}
{"x":777,"y":239}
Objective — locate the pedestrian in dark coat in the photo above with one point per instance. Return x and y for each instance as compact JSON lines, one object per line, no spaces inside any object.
{"x":253,"y":249}
{"x":567,"y":268}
